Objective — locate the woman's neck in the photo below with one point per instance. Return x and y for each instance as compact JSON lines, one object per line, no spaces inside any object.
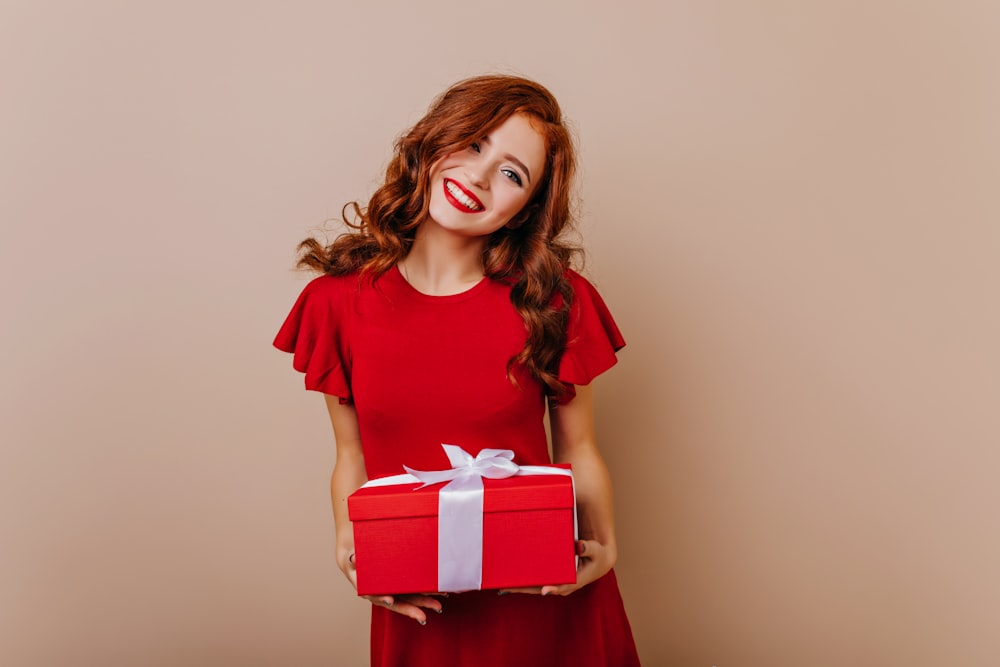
{"x":440,"y":264}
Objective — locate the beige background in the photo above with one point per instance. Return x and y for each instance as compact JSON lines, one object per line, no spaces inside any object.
{"x":791,"y":208}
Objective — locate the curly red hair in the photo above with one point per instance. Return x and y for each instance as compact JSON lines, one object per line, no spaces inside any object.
{"x":529,"y":253}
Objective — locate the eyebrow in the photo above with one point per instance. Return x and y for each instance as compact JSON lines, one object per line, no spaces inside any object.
{"x":512,"y":158}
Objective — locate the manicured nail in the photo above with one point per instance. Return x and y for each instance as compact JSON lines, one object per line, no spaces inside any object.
{"x":440,"y":611}
{"x":422,"y":622}
{"x":502,"y":592}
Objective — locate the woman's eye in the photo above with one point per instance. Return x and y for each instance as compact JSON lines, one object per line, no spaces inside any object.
{"x":475,"y":146}
{"x":512,"y":175}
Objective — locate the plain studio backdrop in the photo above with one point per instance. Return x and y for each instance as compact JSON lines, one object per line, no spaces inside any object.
{"x":791,"y":208}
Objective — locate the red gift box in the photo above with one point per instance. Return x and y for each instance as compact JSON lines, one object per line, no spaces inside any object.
{"x":528,"y":534}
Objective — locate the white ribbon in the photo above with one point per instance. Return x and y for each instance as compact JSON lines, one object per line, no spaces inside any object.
{"x":460,"y":508}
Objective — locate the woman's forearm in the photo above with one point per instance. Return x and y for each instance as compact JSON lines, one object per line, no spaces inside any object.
{"x":574,"y":442}
{"x":348,"y":473}
{"x":594,"y":499}
{"x":348,"y":476}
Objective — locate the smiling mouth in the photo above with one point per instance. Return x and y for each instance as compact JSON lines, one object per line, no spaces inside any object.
{"x":461,"y":198}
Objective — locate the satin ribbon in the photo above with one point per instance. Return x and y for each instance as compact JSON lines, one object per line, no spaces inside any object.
{"x":460,"y":508}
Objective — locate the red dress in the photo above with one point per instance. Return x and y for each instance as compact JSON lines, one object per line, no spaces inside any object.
{"x":422,"y":370}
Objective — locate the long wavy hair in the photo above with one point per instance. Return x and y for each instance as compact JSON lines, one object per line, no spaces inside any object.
{"x":530,"y":253}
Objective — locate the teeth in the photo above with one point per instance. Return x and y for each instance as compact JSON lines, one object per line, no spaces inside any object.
{"x":457,"y":193}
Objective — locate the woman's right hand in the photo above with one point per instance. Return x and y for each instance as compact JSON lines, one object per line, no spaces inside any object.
{"x":348,"y":475}
{"x":414,"y":606}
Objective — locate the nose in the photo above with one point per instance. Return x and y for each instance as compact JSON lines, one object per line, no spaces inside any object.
{"x":478,"y":173}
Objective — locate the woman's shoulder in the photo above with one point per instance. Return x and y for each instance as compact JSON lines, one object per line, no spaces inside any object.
{"x":576,"y":279}
{"x":327,"y":282}
{"x":585,"y":296}
{"x":592,"y":335}
{"x":325,"y":296}
{"x":581,"y":288}
{"x":332,"y":288}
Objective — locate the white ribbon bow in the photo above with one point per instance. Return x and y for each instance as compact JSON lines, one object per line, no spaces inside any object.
{"x":491,"y":463}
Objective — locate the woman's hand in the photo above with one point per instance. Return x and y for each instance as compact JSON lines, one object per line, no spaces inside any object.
{"x":596,"y":560}
{"x":414,"y":606}
{"x":574,"y":442}
{"x":348,"y":476}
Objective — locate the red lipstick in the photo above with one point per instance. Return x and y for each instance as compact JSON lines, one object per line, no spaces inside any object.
{"x":461,"y":198}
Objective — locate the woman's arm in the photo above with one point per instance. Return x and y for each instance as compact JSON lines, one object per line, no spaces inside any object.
{"x":574,"y":442}
{"x":348,"y":475}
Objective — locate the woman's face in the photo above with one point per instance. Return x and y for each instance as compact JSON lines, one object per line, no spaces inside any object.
{"x":477,"y":190}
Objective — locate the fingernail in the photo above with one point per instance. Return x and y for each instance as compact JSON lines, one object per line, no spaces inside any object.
{"x":545,"y":592}
{"x":502,"y":592}
{"x":440,"y":611}
{"x":422,"y":622}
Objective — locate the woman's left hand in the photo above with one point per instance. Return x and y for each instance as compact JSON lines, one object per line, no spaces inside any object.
{"x":596,"y":560}
{"x":573,"y":442}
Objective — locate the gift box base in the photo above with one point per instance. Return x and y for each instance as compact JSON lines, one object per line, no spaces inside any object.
{"x":528,"y":536}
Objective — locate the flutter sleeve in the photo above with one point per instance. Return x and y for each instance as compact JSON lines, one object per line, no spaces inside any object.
{"x":316,"y":333}
{"x":592,"y":337}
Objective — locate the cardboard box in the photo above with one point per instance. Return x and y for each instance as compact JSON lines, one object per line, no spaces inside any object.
{"x":528,"y":535}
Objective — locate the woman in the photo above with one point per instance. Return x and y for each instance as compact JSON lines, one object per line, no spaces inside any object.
{"x":450,"y":315}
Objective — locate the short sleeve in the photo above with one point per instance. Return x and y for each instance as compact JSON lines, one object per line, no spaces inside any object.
{"x":315,"y":332}
{"x":592,"y":337}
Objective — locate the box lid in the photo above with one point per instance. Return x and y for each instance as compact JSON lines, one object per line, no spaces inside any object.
{"x":520,"y":493}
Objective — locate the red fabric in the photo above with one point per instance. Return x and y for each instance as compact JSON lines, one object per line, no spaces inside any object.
{"x":592,"y":338}
{"x":424,"y":370}
{"x":315,"y":332}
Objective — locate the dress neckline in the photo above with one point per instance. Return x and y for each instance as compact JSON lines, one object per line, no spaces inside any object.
{"x":411,"y":291}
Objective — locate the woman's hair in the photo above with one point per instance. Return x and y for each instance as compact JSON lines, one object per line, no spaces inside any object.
{"x":528,"y":253}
